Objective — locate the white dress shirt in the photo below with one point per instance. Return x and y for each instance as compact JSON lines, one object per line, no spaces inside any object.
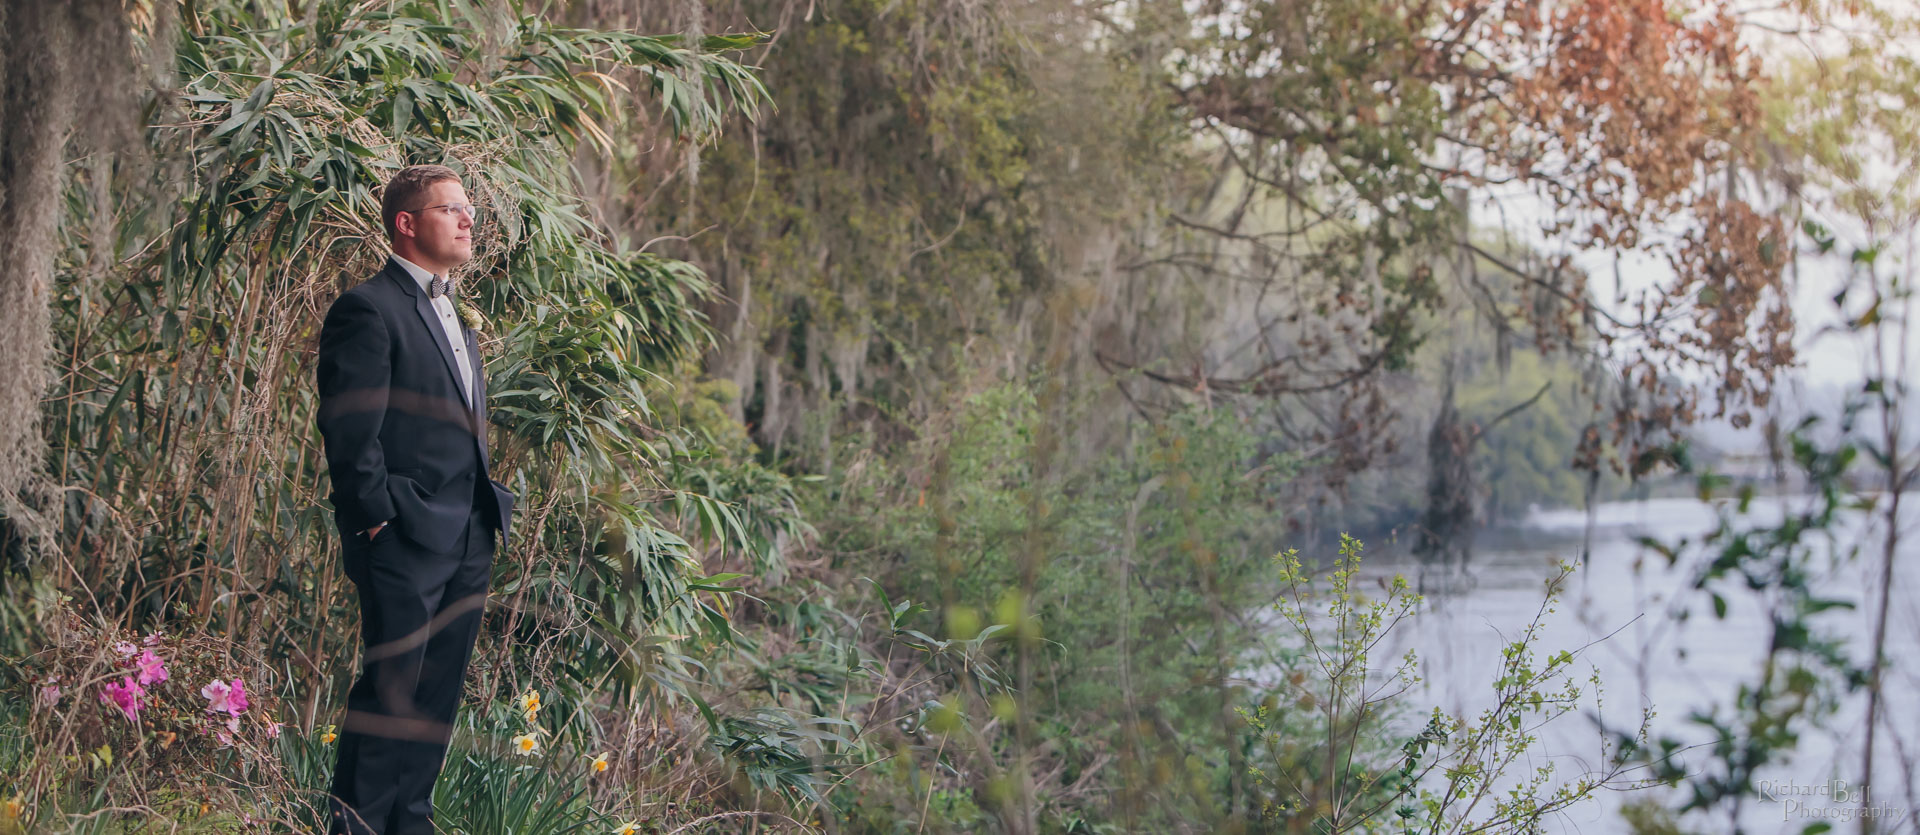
{"x":449,"y":324}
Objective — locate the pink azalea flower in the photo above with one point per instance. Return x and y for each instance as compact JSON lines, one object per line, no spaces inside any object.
{"x":225,"y":698}
{"x":125,"y":648}
{"x":217,"y":694}
{"x":233,"y":724}
{"x":153,"y":639}
{"x":152,"y":669}
{"x":226,"y":739}
{"x":273,"y":730}
{"x":50,"y":694}
{"x":124,"y":694}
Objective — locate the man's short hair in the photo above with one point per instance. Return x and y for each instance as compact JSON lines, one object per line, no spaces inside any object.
{"x":403,"y":192}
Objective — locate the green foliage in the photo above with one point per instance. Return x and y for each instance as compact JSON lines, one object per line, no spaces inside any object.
{"x":1129,"y":607}
{"x":1333,"y":759}
{"x":1527,"y":459}
{"x":500,"y":790}
{"x":931,"y":175}
{"x":1851,"y":117}
{"x":1807,"y":670}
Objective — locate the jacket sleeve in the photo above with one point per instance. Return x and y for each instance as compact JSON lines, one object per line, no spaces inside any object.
{"x":355,"y":374}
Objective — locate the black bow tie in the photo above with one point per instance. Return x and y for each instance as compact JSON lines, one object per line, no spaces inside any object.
{"x":440,"y":287}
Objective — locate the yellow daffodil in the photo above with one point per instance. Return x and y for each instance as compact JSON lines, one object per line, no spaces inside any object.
{"x":530,"y":702}
{"x":599,"y":764}
{"x":328,"y":736}
{"x":628,"y":829}
{"x":526,"y":743}
{"x":14,"y":806}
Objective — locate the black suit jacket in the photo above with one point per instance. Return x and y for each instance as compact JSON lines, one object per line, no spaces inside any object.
{"x":401,"y":442}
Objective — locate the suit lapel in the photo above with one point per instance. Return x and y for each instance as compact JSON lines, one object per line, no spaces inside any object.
{"x":429,"y":318}
{"x":478,"y":412}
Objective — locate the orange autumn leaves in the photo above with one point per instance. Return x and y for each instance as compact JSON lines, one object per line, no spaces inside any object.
{"x":1638,"y":122}
{"x":1639,"y":99}
{"x":1652,"y":112}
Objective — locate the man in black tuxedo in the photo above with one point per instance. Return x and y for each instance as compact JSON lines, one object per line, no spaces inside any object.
{"x":403,"y":417}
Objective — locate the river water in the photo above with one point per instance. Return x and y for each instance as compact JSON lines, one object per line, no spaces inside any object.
{"x":1628,"y":592}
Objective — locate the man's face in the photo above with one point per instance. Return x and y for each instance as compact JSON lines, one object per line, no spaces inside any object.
{"x":442,"y":236}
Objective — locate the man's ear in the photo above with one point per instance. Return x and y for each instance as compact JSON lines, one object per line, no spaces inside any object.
{"x":403,"y":226}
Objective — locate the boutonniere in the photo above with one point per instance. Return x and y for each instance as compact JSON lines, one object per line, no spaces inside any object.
{"x":471,"y":317}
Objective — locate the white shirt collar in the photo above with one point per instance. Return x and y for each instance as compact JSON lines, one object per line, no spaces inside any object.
{"x":419,"y":273}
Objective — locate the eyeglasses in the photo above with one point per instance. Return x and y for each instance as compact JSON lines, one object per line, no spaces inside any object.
{"x":471,"y":211}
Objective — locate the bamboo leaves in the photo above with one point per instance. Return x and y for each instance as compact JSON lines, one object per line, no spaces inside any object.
{"x":247,"y":113}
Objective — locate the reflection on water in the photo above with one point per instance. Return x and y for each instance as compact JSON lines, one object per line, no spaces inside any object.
{"x":1654,"y":660}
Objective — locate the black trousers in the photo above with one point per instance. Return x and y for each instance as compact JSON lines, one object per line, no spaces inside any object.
{"x":419,"y":615}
